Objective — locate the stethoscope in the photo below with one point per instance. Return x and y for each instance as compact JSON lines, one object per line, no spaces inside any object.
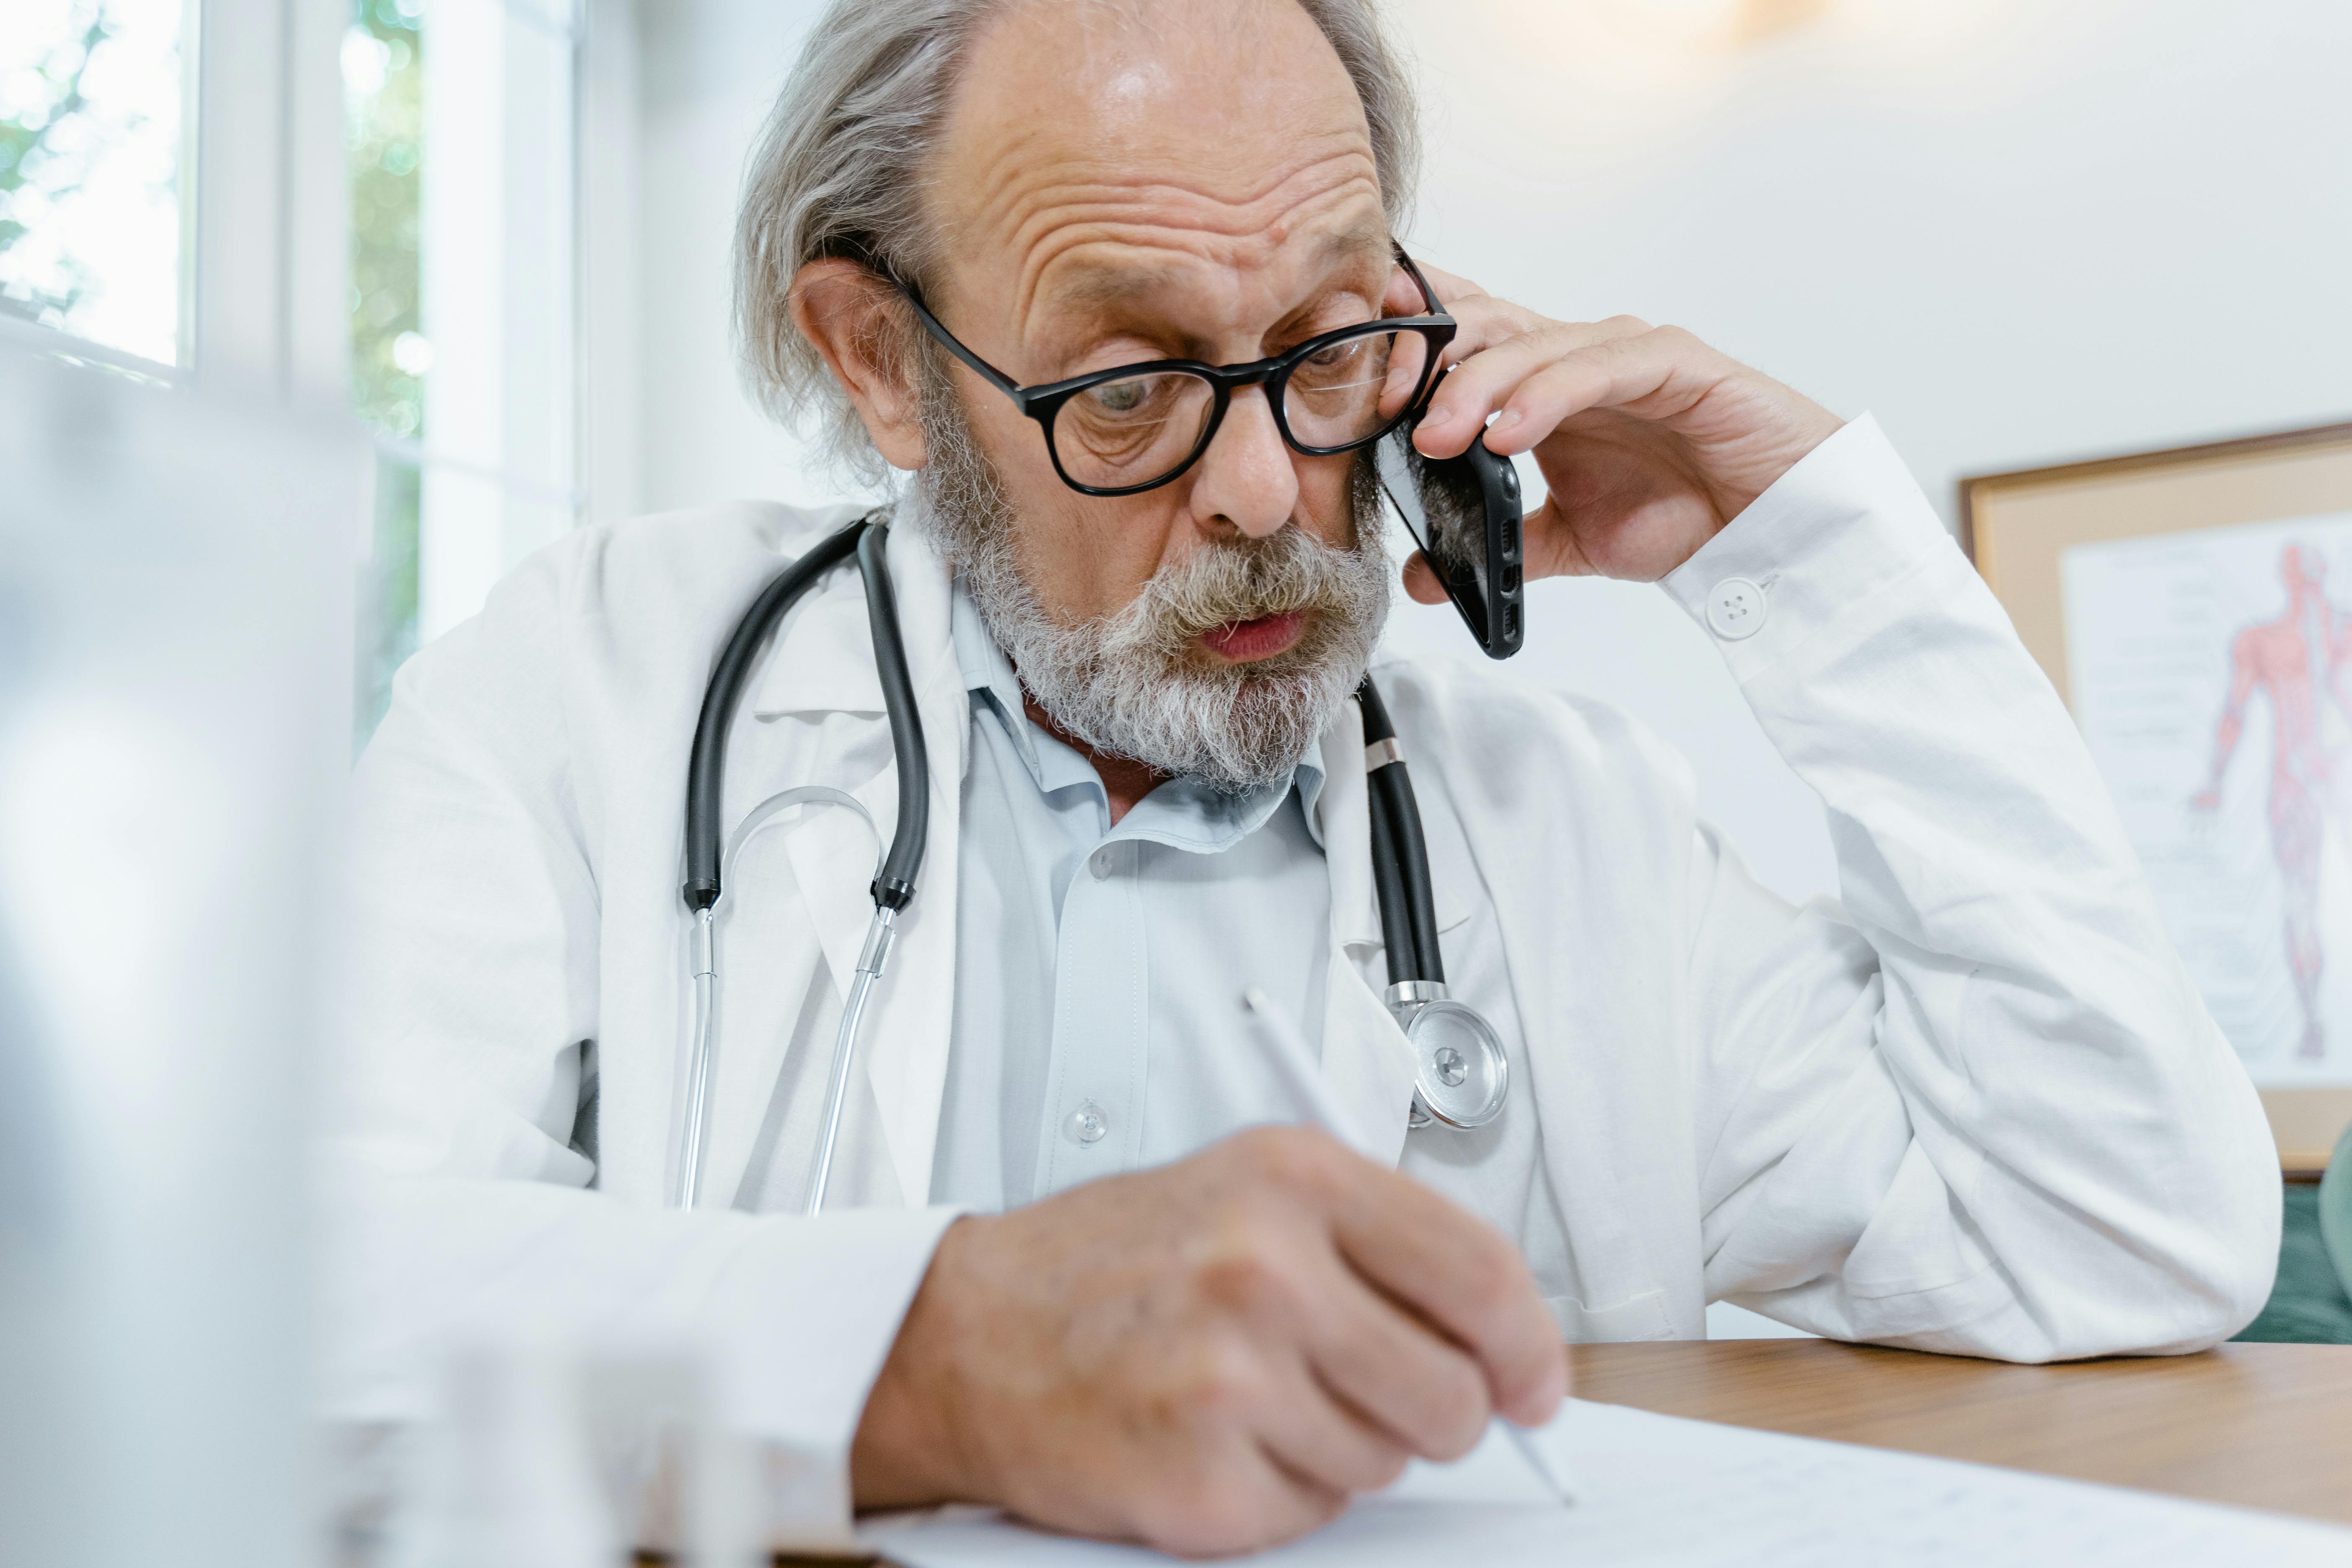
{"x":1461,"y":1076}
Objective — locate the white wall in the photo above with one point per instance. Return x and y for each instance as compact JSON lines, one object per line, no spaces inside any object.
{"x":707,"y":69}
{"x":2019,"y":231}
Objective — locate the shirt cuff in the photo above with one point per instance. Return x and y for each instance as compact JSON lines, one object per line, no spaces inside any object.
{"x":1847,"y":521}
{"x":801,"y":1322}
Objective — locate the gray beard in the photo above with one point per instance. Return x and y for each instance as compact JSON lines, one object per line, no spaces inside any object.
{"x":1133,"y":684}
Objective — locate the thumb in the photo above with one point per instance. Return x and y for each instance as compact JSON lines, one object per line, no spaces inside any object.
{"x":1550,"y":544}
{"x":1420,"y":581}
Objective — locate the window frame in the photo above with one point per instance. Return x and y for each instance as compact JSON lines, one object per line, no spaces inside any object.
{"x":519,"y":503}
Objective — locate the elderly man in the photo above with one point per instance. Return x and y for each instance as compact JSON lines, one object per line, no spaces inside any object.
{"x":1079,"y":1259}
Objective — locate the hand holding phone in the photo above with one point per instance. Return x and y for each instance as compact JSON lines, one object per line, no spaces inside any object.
{"x":1464,"y":512}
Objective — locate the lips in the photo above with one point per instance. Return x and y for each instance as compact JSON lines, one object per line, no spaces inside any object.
{"x":1241,"y":641}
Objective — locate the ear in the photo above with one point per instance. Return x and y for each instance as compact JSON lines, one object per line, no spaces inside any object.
{"x":858,"y":323}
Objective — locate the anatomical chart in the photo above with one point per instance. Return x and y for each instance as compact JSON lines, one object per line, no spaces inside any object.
{"x":2212,"y":676}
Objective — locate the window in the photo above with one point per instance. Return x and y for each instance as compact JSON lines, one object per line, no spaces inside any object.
{"x":92,"y":104}
{"x":455,"y":276}
{"x":461,"y":131}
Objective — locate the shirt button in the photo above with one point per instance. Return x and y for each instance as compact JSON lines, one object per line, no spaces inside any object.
{"x":1086,"y":1124}
{"x":1100,"y":861}
{"x":1735,"y":609}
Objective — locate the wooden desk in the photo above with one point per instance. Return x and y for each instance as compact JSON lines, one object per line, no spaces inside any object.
{"x":2260,"y":1426}
{"x":2257,"y":1425}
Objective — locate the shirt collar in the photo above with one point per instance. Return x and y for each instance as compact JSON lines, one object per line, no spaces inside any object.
{"x":988,"y":676}
{"x":1179,"y":813}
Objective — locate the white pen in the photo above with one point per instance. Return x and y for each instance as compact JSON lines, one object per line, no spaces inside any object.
{"x":1296,"y":1061}
{"x":1304,"y":1075}
{"x":1532,"y":1452}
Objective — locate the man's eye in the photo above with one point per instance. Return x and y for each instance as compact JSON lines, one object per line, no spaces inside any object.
{"x":1119,"y":396}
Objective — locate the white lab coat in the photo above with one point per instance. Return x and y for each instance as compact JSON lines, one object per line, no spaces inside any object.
{"x":1974,"y":1107}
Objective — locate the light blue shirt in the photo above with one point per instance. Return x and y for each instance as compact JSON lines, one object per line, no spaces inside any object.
{"x":1098,"y":1024}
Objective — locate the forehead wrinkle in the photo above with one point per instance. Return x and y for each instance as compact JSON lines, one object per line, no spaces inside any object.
{"x":1039,"y":166}
{"x":1246,"y":236}
{"x":1121,"y":262}
{"x":1170,"y":199}
{"x":1095,"y":284}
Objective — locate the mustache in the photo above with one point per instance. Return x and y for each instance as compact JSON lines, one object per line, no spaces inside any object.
{"x":1287,"y":572}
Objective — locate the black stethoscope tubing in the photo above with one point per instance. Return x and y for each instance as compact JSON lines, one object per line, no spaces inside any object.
{"x":706,"y":773}
{"x":1399,"y":855}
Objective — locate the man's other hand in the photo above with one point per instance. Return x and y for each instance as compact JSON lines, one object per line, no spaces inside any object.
{"x":1209,"y":1357}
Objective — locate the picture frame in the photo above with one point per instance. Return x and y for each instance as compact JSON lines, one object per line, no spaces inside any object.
{"x":2159,"y":592}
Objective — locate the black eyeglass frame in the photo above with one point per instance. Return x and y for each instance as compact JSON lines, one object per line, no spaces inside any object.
{"x":1043,"y":402}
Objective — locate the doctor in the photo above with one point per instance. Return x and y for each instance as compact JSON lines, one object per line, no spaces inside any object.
{"x":1077,"y":1260}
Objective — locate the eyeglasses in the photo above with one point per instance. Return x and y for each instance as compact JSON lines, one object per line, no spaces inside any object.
{"x":1135,"y":427}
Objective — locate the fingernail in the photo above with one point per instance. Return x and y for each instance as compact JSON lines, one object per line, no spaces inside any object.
{"x":1439,"y":413}
{"x":1507,"y":418}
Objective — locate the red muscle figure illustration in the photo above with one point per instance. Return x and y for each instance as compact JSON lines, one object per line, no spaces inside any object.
{"x":2300,"y":661}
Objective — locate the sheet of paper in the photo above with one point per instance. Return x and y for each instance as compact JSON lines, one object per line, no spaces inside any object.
{"x":1660,"y":1492}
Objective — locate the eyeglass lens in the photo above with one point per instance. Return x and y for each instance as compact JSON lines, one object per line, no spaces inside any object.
{"x":1138,"y":429}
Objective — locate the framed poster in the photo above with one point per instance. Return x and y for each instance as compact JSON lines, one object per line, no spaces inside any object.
{"x":2194,"y":609}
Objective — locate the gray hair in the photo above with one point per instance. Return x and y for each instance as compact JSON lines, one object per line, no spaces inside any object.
{"x":842,"y":164}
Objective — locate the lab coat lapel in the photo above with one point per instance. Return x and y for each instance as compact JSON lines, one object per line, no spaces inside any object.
{"x":907,"y":1058}
{"x":1366,"y":1058}
{"x":833,"y":857}
{"x":1578,"y":910}
{"x":903,"y":1050}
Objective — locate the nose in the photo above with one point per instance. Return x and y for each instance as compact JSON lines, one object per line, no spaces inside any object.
{"x":1246,"y":479}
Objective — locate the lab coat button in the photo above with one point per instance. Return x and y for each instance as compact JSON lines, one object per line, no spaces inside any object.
{"x":1099,"y":863}
{"x":1088,"y":1123}
{"x":1735,"y":609}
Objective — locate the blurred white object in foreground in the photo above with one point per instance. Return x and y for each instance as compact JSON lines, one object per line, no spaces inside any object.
{"x":544,"y":1455}
{"x":175,"y":655}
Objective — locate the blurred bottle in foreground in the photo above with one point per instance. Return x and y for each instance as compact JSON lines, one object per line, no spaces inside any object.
{"x":175,"y":632}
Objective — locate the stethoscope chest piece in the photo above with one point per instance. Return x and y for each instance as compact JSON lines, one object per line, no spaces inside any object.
{"x":1461,"y":1076}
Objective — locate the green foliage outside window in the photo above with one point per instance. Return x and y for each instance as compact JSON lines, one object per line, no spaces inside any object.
{"x":43,"y":148}
{"x":384,"y":75}
{"x":386,"y":131}
{"x":27,"y":139}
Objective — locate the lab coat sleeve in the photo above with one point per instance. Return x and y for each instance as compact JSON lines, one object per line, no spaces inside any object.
{"x":463,"y":1209}
{"x":1973,"y":1105}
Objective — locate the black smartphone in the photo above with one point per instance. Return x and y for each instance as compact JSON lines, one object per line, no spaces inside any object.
{"x":1464,"y":512}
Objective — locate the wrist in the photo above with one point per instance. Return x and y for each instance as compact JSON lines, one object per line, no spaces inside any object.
{"x":909,"y":1450}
